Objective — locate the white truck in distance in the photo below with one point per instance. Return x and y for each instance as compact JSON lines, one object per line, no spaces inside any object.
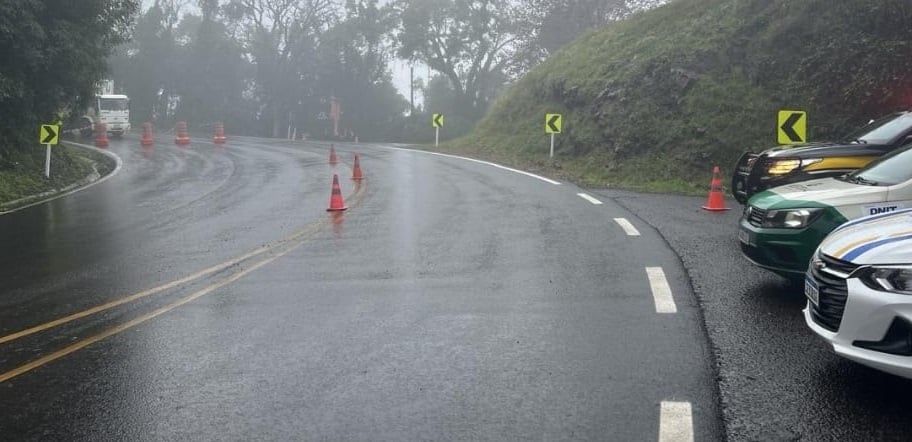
{"x":109,"y":108}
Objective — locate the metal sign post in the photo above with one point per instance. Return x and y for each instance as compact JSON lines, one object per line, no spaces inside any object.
{"x":553,"y":125}
{"x":48,"y":135}
{"x":47,"y":162}
{"x":552,"y":145}
{"x":437,"y":122}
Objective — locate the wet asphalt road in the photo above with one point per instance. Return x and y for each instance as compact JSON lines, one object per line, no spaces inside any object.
{"x":453,"y":300}
{"x":778,"y":381}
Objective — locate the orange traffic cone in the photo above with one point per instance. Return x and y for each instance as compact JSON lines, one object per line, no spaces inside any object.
{"x":356,"y":170}
{"x":332,"y":155}
{"x":182,"y":137}
{"x":716,"y":201}
{"x":101,"y":135}
{"x":219,"y":137}
{"x":335,"y":200}
{"x":147,"y":139}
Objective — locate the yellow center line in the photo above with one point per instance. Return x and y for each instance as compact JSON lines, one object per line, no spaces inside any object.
{"x":300,"y":238}
{"x":133,"y":323}
{"x":309,"y":229}
{"x":152,"y":291}
{"x":128,"y":299}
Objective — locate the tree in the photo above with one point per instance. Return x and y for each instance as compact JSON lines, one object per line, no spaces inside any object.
{"x":281,"y":37}
{"x":53,"y":55}
{"x":146,"y":67}
{"x":354,"y":58}
{"x":214,"y":78}
{"x":470,"y":42}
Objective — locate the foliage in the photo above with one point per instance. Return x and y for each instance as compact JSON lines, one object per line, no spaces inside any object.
{"x":214,"y":73}
{"x":666,"y":94}
{"x":555,"y":23}
{"x":354,"y":62}
{"x":264,"y":66}
{"x":20,"y":183}
{"x":53,"y":54}
{"x":468,"y":42}
{"x":144,"y":68}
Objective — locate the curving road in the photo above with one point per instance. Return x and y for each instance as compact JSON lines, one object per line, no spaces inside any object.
{"x":205,"y":293}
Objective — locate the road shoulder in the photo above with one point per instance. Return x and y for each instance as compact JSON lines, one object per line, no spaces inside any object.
{"x":103,"y":165}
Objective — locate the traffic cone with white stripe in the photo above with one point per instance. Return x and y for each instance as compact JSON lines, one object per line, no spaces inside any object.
{"x":182,"y":138}
{"x":101,"y":135}
{"x":219,"y":137}
{"x":332,"y":155}
{"x":716,"y":200}
{"x":356,"y":170}
{"x":147,"y":139}
{"x":335,"y":200}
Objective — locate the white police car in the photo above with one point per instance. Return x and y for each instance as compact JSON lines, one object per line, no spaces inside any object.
{"x":859,"y":290}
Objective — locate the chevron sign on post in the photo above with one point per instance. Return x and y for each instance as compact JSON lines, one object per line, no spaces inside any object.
{"x":553,"y":125}
{"x":792,"y":128}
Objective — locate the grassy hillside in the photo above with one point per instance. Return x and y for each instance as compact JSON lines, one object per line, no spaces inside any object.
{"x":22,"y":171}
{"x":656,"y":100}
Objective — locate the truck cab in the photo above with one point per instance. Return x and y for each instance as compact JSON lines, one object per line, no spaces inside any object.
{"x":114,"y":111}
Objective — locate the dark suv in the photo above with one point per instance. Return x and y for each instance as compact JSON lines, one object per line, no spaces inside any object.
{"x":789,"y":164}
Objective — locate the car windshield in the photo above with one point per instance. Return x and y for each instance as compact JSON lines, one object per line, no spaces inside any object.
{"x":113,"y":104}
{"x":884,"y":130}
{"x":892,"y":169}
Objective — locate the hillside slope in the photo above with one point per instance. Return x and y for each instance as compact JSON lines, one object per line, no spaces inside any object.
{"x":656,"y":100}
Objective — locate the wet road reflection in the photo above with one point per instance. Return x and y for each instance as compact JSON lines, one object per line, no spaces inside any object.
{"x":217,"y":298}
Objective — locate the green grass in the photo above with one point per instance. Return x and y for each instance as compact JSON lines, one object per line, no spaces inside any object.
{"x":654,"y":102}
{"x":22,"y":172}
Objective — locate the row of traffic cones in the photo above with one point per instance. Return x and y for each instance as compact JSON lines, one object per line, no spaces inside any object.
{"x":101,"y":134}
{"x":356,"y":168}
{"x":182,"y":138}
{"x":336,"y":204}
{"x":715,"y":202}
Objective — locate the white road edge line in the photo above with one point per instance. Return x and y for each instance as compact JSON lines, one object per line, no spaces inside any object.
{"x":589,"y":198}
{"x":676,"y":422}
{"x":629,"y":229}
{"x":521,"y":172}
{"x":661,"y":292}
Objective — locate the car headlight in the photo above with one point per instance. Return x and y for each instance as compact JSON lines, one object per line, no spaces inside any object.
{"x":782,"y":167}
{"x":893,"y":279}
{"x":791,"y":219}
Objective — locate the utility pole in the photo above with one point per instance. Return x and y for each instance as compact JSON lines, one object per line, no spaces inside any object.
{"x":412,"y":89}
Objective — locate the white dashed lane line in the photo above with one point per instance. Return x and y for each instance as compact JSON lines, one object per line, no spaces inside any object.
{"x":589,"y":198}
{"x":661,"y":292}
{"x":629,"y":229}
{"x":676,"y":422}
